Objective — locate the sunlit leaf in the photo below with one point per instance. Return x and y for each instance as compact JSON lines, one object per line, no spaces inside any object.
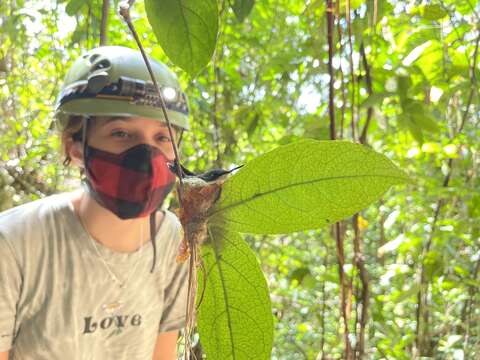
{"x":304,"y":185}
{"x":186,"y":30}
{"x":235,"y":319}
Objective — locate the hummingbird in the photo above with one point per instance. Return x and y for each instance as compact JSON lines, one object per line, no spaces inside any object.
{"x":208,"y":176}
{"x":200,"y":192}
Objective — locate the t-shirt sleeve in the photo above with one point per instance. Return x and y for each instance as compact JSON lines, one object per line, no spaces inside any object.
{"x":175,"y":293}
{"x":10,"y":284}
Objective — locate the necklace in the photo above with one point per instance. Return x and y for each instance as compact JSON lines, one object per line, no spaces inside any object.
{"x":113,"y":276}
{"x":113,"y":307}
{"x":121,"y":284}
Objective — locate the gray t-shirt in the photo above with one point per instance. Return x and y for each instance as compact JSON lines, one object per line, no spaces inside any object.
{"x":58,"y":301}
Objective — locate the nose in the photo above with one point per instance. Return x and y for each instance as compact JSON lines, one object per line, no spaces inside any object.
{"x":166,"y":147}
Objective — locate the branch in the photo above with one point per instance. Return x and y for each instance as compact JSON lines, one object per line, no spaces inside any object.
{"x":342,"y":76}
{"x":331,"y":93}
{"x":104,"y":22}
{"x":338,"y":235}
{"x":364,"y":296}
{"x":343,"y":289}
{"x":350,"y":61}
{"x":324,"y":306}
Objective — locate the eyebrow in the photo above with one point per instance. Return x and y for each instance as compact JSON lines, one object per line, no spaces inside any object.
{"x":124,"y":118}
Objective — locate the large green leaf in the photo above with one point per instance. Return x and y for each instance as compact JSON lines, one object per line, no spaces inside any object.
{"x":235,"y":319}
{"x":303,"y":186}
{"x":186,"y":29}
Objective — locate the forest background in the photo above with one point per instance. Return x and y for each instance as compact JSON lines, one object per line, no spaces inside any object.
{"x":405,"y":84}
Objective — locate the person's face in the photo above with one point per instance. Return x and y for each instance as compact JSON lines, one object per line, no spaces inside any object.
{"x":117,"y":134}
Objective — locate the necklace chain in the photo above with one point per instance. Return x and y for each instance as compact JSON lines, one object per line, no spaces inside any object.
{"x":113,"y":276}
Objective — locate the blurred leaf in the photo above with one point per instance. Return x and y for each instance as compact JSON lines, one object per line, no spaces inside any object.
{"x":316,"y":129}
{"x":3,"y":65}
{"x":74,"y":6}
{"x":403,"y":85}
{"x":299,"y":274}
{"x":375,"y":99}
{"x":403,"y":295}
{"x":433,"y":12}
{"x":242,"y":8}
{"x":420,"y":115}
{"x":474,"y":206}
{"x":253,"y":123}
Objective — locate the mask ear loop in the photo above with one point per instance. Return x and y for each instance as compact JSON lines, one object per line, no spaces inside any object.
{"x":84,"y":140}
{"x":153,"y":229}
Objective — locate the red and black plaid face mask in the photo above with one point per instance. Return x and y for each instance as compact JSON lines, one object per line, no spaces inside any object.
{"x":131,"y":184}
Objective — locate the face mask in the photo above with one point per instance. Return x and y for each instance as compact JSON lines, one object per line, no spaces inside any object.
{"x":131,"y":184}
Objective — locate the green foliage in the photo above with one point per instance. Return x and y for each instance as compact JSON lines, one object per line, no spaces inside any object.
{"x":268,"y":84}
{"x":186,"y":30}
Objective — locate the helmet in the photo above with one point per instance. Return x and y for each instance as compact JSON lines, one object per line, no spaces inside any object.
{"x":114,"y":81}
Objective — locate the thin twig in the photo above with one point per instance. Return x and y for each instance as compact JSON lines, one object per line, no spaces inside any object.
{"x":360,"y":264}
{"x":124,"y":11}
{"x":342,"y":75}
{"x":352,"y":73}
{"x":338,"y":235}
{"x":331,"y":93}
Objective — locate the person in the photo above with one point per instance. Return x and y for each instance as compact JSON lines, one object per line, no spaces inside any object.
{"x":91,"y":274}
